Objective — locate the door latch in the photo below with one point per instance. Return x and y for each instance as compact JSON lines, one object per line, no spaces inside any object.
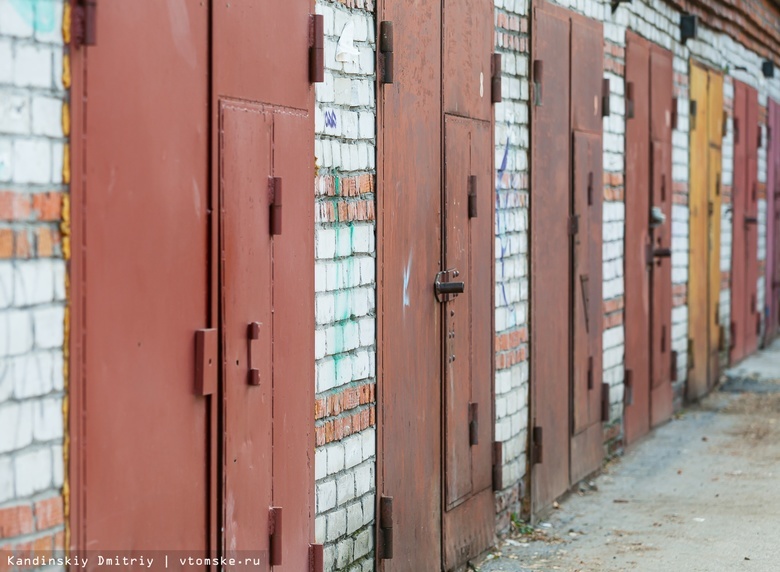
{"x":443,"y":288}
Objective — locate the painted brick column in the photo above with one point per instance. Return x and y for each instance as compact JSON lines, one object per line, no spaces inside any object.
{"x":33,"y":206}
{"x":345,"y":284}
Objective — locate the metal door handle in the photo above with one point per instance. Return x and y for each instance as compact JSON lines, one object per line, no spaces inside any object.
{"x":450,"y":287}
{"x":662,"y":253}
{"x":444,"y":289}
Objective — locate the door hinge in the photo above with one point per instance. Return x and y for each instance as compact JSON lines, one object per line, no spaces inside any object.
{"x":732,"y":335}
{"x":605,"y":402}
{"x":674,"y":113}
{"x":673,"y":375}
{"x":630,"y":100}
{"x":628,"y":396}
{"x":276,"y":205}
{"x":717,"y":314}
{"x":574,"y":224}
{"x":717,"y":185}
{"x":721,"y":338}
{"x":693,"y":111}
{"x":495,"y":78}
{"x":725,"y":126}
{"x":663,"y":338}
{"x":275,"y":533}
{"x":386,"y":49}
{"x":590,"y":188}
{"x":386,"y":528}
{"x":206,"y":361}
{"x":472,"y":196}
{"x":537,"y":455}
{"x":316,"y":558}
{"x":605,"y":108}
{"x":498,"y":466}
{"x":84,"y":23}
{"x":590,"y":373}
{"x":317,"y":49}
{"x":736,"y":130}
{"x":538,"y":72}
{"x":473,"y":424}
{"x":760,"y":138}
{"x":690,"y":354}
{"x":754,"y":193}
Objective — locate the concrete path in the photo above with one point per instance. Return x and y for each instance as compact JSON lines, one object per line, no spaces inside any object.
{"x":701,"y":493}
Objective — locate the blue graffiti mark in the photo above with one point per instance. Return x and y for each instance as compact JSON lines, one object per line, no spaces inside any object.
{"x":39,"y":14}
{"x":500,"y":228}
{"x":330,"y":119}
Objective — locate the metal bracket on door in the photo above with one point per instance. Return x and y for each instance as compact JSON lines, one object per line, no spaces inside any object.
{"x":84,"y":23}
{"x":443,"y":289}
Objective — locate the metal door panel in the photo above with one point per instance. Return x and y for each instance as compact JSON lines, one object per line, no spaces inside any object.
{"x":661,"y":286}
{"x":661,"y":91}
{"x":637,"y":270}
{"x":457,"y":312}
{"x":587,"y":281}
{"x":468,"y":523}
{"x":699,"y":246}
{"x":738,"y":201}
{"x":409,"y":205}
{"x":587,"y":56}
{"x":715,"y":121}
{"x":468,"y":44}
{"x":246,"y":147}
{"x":261,"y":51}
{"x":550,"y":280}
{"x":587,"y":322}
{"x":293,"y":350}
{"x":753,"y":317}
{"x":143,"y":277}
{"x":773,"y":190}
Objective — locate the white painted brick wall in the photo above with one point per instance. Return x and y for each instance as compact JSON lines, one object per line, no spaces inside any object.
{"x":32,"y":291}
{"x":345,"y":298}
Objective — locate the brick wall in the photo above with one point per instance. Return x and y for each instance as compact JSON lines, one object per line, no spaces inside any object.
{"x":33,"y":181}
{"x":345,"y":284}
{"x":511,"y":226}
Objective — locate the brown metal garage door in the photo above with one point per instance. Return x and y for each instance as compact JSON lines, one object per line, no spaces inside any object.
{"x":436,"y":358}
{"x":566,"y":245}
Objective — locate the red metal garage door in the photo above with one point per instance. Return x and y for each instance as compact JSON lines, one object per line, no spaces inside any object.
{"x":175,"y":247}
{"x":745,"y":320}
{"x":773,"y":222}
{"x":433,"y":233}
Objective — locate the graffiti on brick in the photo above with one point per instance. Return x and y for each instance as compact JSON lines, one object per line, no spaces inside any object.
{"x":503,"y":239}
{"x":330,"y":119}
{"x":38,"y":14}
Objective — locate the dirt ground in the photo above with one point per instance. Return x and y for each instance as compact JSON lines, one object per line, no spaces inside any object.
{"x":701,"y":493}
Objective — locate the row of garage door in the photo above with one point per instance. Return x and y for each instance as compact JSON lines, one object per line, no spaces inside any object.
{"x":192,"y":278}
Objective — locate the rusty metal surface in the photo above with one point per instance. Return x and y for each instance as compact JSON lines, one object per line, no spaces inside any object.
{"x":587,"y":323}
{"x":142,"y":288}
{"x":467,"y":29}
{"x":738,"y":201}
{"x":409,"y":256}
{"x":699,"y":245}
{"x":715,"y":121}
{"x":246,"y":258}
{"x":744,"y":269}
{"x":551,"y":279}
{"x":637,"y":241}
{"x":468,"y":521}
{"x":751,"y":227}
{"x":293,"y":350}
{"x":263,"y":51}
{"x":773,"y":223}
{"x":587,"y":57}
{"x":661,"y":93}
{"x":456,"y":314}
